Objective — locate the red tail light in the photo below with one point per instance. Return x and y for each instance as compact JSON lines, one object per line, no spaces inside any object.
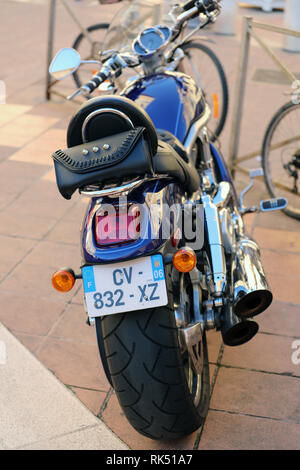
{"x":117,"y":226}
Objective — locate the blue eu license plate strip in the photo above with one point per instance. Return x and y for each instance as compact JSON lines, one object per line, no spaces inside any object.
{"x":157,"y":268}
{"x":88,"y":279}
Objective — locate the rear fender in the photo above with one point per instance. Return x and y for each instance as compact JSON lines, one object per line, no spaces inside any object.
{"x":159,"y":194}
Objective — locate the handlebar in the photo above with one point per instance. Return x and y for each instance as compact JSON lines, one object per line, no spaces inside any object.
{"x":114,"y":65}
{"x":94,"y":83}
{"x":194,"y":8}
{"x":202,"y":5}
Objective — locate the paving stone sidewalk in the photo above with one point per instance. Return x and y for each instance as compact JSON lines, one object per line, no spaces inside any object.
{"x":255,"y":388}
{"x":31,"y":401}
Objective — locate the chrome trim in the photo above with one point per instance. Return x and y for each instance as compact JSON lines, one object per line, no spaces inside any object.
{"x":274,"y":204}
{"x":91,"y":62}
{"x":216,"y":248}
{"x":223,"y":194}
{"x":227,"y":229}
{"x":195,"y":129}
{"x":245,"y":190}
{"x":101,"y":111}
{"x":186,"y":15}
{"x":126,"y":188}
{"x":180,"y":306}
{"x":150,"y":52}
{"x":251,"y":292}
{"x":191,"y":337}
{"x":119,"y":190}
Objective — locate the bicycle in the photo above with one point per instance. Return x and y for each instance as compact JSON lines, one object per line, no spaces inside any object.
{"x":281,"y":157}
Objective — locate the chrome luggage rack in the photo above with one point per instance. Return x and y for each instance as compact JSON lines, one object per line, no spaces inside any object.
{"x":117,"y":189}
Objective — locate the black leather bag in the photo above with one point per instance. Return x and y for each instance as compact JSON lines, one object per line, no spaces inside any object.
{"x":110,"y":159}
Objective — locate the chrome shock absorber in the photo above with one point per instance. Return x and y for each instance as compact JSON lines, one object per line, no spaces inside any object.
{"x":215,"y":243}
{"x":212,"y":221}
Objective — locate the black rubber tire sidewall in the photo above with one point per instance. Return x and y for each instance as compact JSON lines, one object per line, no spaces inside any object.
{"x":146,"y":369}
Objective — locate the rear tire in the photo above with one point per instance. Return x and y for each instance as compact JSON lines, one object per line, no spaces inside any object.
{"x":147,"y":371}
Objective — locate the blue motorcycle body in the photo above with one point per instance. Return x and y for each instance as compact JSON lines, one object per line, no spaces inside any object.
{"x":173,"y":102}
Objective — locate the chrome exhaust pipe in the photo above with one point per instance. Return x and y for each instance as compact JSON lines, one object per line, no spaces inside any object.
{"x":234,"y":330}
{"x":251,"y":293}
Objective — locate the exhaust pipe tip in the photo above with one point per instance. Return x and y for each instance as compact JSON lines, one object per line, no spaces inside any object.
{"x":251,"y":291}
{"x":236,"y":331}
{"x":240,"y":333}
{"x":253,"y":303}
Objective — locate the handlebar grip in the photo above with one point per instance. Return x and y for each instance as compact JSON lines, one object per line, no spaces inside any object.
{"x":211,"y":5}
{"x":95,"y":82}
{"x":202,"y":5}
{"x":189,"y":5}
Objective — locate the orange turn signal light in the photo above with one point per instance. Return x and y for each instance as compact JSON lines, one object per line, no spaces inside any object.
{"x":63,"y":280}
{"x":216,"y":106}
{"x":184,"y":260}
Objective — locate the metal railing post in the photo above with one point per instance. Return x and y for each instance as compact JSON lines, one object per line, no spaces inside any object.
{"x":50,"y":45}
{"x":239,"y":94}
{"x":76,"y":20}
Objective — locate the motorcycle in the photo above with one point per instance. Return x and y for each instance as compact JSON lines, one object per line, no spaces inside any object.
{"x":165,"y":255}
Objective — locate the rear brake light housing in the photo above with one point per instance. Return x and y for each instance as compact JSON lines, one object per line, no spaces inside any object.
{"x":117,"y":225}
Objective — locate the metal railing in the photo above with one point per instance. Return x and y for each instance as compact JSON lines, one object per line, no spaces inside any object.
{"x":249,"y":30}
{"x":51,"y":32}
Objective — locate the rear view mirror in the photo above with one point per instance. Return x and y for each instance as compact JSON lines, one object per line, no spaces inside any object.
{"x":66,"y":62}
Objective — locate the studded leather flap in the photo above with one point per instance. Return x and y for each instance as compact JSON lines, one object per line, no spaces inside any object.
{"x":98,"y":154}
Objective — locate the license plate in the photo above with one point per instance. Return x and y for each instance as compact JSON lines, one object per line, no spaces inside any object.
{"x":124,"y":287}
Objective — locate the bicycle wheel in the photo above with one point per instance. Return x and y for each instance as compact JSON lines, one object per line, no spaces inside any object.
{"x":203,"y":65}
{"x":281,"y":157}
{"x":89,"y":51}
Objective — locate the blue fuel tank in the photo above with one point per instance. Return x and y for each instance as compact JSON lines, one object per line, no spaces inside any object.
{"x":172,"y":100}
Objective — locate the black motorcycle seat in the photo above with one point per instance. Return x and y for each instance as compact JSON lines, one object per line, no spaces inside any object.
{"x":170,"y":139}
{"x":168,"y":162}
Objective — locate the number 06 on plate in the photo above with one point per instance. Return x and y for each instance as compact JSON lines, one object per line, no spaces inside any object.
{"x":133,"y":285}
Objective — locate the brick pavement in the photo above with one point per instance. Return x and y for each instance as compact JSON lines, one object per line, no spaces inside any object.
{"x":255,"y":400}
